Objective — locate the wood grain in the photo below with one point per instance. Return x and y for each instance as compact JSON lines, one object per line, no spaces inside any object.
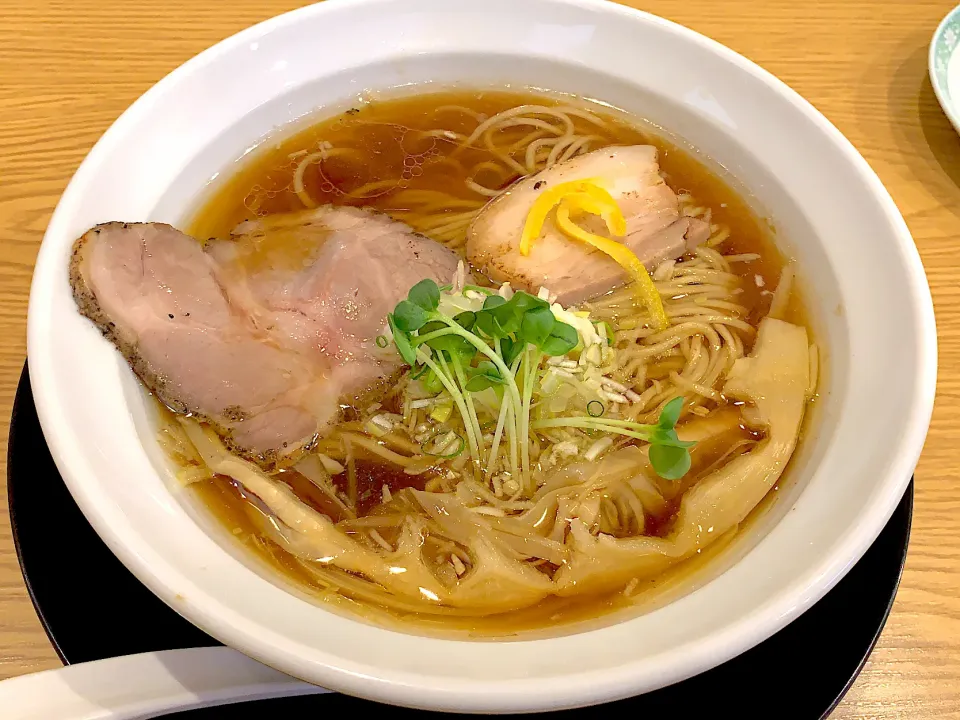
{"x":68,"y":69}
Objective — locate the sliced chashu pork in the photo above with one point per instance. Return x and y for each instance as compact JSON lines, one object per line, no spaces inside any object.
{"x":325,"y":279}
{"x":569,"y":268}
{"x":261,"y":335}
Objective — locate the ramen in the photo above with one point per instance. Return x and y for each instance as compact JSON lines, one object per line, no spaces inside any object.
{"x":467,"y":360}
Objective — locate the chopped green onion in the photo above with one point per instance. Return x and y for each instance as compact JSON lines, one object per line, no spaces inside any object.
{"x":595,"y":408}
{"x":609,"y":332}
{"x":456,"y":451}
{"x":381,"y":341}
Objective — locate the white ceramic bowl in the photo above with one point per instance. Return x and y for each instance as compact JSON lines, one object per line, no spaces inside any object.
{"x":871,"y":311}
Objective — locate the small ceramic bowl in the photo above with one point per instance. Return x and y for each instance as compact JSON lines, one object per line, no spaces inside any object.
{"x":944,"y":65}
{"x":869,"y":303}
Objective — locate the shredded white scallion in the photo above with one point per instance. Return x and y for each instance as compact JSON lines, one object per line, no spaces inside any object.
{"x":330,"y":465}
{"x":598,"y":447}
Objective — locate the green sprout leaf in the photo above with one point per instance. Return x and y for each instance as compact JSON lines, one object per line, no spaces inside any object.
{"x":485,"y":321}
{"x":536,"y":325}
{"x":563,"y":338}
{"x":425,"y":295}
{"x":402,"y":341}
{"x":664,"y":432}
{"x":408,"y":316}
{"x":509,"y":314}
{"x":479,"y":383}
{"x":466,"y":319}
{"x":510,"y":350}
{"x":669,"y":462}
{"x":670,"y":414}
{"x":428,"y":328}
{"x":449,"y":343}
{"x":489,"y":325}
{"x":524,"y":302}
{"x":499,"y":317}
{"x":669,"y":455}
{"x":484,"y":376}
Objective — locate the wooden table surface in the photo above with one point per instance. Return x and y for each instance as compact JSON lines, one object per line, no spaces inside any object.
{"x":68,"y":69}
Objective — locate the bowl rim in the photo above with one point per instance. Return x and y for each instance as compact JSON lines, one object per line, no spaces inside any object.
{"x":588,"y":686}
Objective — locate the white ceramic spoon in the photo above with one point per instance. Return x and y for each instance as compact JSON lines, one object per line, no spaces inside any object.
{"x":145,"y":686}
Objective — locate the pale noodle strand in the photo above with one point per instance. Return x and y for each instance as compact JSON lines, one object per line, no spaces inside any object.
{"x":318,"y":157}
{"x":562,"y":115}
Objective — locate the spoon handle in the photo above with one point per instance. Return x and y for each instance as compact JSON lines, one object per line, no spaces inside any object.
{"x":144,"y":686}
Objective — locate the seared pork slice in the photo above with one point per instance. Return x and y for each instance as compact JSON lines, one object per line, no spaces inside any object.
{"x":569,"y":268}
{"x":153,"y":291}
{"x":327,"y":279}
{"x":262,"y":344}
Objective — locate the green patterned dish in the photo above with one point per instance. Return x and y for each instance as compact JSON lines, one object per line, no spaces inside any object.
{"x":945,"y":65}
